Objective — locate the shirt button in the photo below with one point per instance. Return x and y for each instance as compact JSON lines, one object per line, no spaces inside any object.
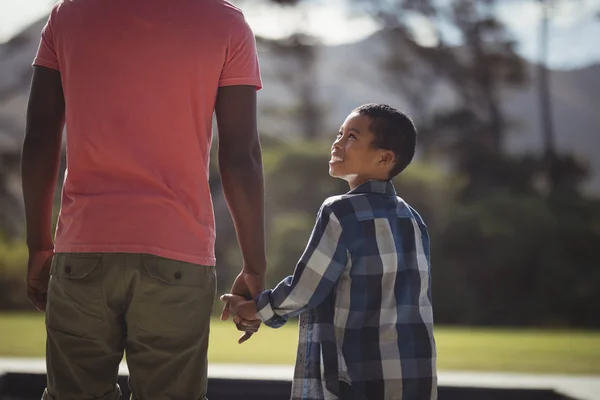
{"x":68,"y":269}
{"x":177,"y":275}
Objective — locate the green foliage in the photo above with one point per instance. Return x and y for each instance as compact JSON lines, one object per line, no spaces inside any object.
{"x":498,"y":259}
{"x":430,"y":191}
{"x":13,"y":267}
{"x":297,"y":177}
{"x":508,"y":260}
{"x":287,"y":239}
{"x":501,"y":257}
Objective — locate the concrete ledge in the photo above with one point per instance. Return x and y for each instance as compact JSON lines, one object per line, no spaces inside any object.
{"x":18,"y":386}
{"x":24,"y":379}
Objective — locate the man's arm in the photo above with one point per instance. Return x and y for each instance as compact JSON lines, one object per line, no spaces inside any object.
{"x":240,"y":164}
{"x":41,"y":154}
{"x":39,"y":169}
{"x":316,"y":274}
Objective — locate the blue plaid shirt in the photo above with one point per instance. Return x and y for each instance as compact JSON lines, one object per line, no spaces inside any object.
{"x":362,"y":290}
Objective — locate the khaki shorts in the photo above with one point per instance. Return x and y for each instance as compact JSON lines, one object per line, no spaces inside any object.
{"x":155,"y":310}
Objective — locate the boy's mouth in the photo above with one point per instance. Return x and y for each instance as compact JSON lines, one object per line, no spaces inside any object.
{"x":335,"y":159}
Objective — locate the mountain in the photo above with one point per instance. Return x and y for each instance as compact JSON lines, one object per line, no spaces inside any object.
{"x":345,"y":77}
{"x":16,"y":57}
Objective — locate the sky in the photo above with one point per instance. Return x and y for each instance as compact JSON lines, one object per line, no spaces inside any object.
{"x":574,"y":25}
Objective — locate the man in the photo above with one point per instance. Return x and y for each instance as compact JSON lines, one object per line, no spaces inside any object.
{"x":132,"y":264}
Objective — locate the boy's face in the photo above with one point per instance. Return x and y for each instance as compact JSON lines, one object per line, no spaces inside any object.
{"x":353,"y":158}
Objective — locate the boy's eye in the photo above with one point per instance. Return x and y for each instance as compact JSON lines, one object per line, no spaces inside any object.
{"x":338,"y":134}
{"x":352,"y":136}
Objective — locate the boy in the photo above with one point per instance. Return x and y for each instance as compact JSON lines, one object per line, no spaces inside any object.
{"x":362,"y":288}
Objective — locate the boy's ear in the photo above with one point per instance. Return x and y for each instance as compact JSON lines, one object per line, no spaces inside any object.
{"x":387,"y":158}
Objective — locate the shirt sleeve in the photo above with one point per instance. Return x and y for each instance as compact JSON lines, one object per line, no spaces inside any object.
{"x":241,"y":64}
{"x":315,"y":276}
{"x":46,"y":55}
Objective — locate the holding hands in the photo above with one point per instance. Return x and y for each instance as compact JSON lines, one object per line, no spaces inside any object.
{"x":240,"y":307}
{"x":246,"y":286}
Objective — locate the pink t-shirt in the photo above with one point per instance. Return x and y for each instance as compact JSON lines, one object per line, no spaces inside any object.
{"x":140,"y":79}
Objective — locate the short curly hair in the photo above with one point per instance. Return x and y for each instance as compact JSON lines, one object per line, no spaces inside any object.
{"x":393,"y":130}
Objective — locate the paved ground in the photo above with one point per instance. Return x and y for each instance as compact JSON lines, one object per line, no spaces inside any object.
{"x":579,"y":387}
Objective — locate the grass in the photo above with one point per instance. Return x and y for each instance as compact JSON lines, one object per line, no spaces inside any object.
{"x":509,"y":350}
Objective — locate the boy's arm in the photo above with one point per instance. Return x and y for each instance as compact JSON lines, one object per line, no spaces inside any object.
{"x":316,"y":274}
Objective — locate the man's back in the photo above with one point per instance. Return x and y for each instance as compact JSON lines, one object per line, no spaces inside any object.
{"x":137,"y":82}
{"x":140,"y":79}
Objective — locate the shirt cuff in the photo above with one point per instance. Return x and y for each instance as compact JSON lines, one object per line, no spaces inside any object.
{"x":265,"y":311}
{"x":263,"y":306}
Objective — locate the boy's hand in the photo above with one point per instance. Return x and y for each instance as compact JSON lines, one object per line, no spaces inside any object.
{"x":245,"y":284}
{"x":248,"y":285}
{"x":238,"y":305}
{"x":244,"y":310}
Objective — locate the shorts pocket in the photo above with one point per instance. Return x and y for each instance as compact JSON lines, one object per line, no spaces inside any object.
{"x":174,"y":298}
{"x":179,"y":273}
{"x":75,"y":298}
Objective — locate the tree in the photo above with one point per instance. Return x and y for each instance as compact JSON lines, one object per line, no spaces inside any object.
{"x":11,"y":209}
{"x":484,"y":62}
{"x":563,"y":172}
{"x":546,"y":122}
{"x":297,"y":55}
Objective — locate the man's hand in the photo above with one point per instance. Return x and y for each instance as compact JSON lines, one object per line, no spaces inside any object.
{"x":38,"y":276}
{"x":247,"y":286}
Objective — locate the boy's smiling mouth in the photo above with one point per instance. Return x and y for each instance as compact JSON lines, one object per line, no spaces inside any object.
{"x":335,"y":159}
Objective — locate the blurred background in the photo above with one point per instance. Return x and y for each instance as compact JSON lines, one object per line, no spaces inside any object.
{"x":505,"y":95}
